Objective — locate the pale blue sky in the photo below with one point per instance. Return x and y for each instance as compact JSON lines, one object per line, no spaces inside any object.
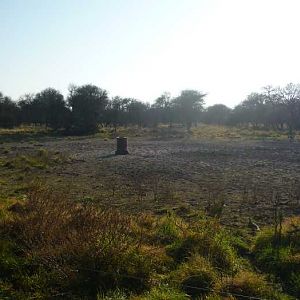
{"x":141,"y":48}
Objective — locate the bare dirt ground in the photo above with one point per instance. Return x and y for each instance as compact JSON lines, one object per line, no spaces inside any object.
{"x":179,"y":174}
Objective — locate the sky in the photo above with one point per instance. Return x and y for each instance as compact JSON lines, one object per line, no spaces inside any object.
{"x":142,"y":48}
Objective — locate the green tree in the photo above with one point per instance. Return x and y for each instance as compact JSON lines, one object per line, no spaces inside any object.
{"x":115,"y":114}
{"x":217,"y":114}
{"x":275,"y":112}
{"x":254,"y":106}
{"x":188,"y":106}
{"x":28,"y":114}
{"x":87,"y":103}
{"x":52,"y":107}
{"x":290,"y":96}
{"x":163,"y":111}
{"x":136,"y":112}
{"x":9,"y":112}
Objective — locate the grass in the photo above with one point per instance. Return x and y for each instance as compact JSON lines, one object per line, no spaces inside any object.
{"x":26,"y":133}
{"x":52,"y":245}
{"x":53,"y":242}
{"x":41,"y":159}
{"x":229,"y":132}
{"x":18,"y":171}
{"x":281,"y":257}
{"x":248,"y":283}
{"x":163,"y":292}
{"x":196,"y":277}
{"x":202,"y":131}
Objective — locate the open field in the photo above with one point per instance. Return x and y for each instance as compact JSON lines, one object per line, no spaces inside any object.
{"x":78,"y":222}
{"x":239,"y":173}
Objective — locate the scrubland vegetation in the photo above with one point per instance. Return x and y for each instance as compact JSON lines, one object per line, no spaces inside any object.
{"x":52,"y":247}
{"x":133,"y":236}
{"x":176,"y":219}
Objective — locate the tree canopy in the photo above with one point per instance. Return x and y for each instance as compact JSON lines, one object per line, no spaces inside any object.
{"x":88,"y":106}
{"x":87,"y":103}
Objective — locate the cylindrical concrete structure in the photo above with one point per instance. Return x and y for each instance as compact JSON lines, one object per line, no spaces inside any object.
{"x":121,"y":146}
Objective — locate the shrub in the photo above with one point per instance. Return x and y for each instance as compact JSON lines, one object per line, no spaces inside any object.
{"x":82,"y":248}
{"x":16,"y":279}
{"x":281,"y":257}
{"x":51,"y":245}
{"x":169,"y":228}
{"x":294,"y":285}
{"x":209,"y":240}
{"x":250,"y":284}
{"x":196,"y":276}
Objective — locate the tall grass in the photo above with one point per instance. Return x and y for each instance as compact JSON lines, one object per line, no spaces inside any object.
{"x":52,"y":246}
{"x":281,"y":257}
{"x":80,"y":247}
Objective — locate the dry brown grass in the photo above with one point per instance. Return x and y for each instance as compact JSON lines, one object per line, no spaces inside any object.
{"x":78,"y":242}
{"x":249,"y":284}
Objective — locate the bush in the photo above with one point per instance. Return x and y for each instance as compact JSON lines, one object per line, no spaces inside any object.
{"x":294,"y":286}
{"x":281,"y":257}
{"x":169,"y":228}
{"x":81,"y":248}
{"x":16,"y":279}
{"x":196,"y":276}
{"x":51,"y":245}
{"x":250,"y":284}
{"x":208,"y":240}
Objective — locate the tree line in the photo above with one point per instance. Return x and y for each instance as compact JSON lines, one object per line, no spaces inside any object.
{"x":88,"y":106}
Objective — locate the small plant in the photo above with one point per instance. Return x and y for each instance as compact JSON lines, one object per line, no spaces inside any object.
{"x":216,"y":200}
{"x":169,"y":228}
{"x":87,"y":200}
